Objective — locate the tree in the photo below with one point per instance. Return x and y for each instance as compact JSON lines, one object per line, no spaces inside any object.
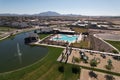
{"x":94,"y":62}
{"x":109,"y":66}
{"x":61,"y":68}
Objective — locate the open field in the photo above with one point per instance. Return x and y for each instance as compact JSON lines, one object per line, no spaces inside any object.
{"x":108,"y":36}
{"x":45,"y":69}
{"x":82,"y":44}
{"x":116,"y":22}
{"x":115,"y":44}
{"x":80,"y":30}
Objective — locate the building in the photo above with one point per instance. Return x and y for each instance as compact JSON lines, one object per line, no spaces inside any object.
{"x":46,"y":29}
{"x":20,"y":24}
{"x":15,"y":24}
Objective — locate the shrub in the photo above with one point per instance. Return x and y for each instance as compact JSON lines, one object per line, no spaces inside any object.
{"x":61,"y":68}
{"x":75,"y":70}
{"x":109,"y":67}
{"x":114,"y":51}
{"x":76,"y":59}
{"x":93,"y":63}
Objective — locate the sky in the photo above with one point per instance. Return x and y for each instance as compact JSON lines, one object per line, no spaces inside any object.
{"x":82,"y":7}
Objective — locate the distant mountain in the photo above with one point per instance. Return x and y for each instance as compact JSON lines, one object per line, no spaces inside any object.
{"x":7,"y":14}
{"x":49,"y":13}
{"x":74,"y":15}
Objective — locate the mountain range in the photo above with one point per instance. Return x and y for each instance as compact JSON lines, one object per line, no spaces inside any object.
{"x":48,"y":13}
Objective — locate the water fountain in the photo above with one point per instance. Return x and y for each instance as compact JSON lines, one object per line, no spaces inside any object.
{"x":14,"y":54}
{"x":19,"y":54}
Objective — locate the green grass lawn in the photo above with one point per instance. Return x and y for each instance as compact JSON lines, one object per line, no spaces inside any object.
{"x":45,"y":69}
{"x":115,"y":44}
{"x":82,"y":44}
{"x":41,"y":36}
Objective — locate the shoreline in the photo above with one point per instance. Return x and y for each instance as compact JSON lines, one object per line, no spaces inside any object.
{"x":19,"y":31}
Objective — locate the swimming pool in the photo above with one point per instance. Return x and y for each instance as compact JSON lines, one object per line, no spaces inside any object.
{"x":65,"y":38}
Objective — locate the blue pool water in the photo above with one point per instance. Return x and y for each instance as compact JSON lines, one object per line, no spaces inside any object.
{"x":64,"y":37}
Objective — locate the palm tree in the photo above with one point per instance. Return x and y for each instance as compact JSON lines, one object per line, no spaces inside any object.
{"x":93,"y":63}
{"x":109,"y":66}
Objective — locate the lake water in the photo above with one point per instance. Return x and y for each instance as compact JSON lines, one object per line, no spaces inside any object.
{"x":11,"y":60}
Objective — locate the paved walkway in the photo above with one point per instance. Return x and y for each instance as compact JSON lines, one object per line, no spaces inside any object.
{"x":99,"y":52}
{"x":79,"y":38}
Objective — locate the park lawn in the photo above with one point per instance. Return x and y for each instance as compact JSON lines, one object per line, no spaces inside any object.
{"x":41,"y":36}
{"x":82,"y":44}
{"x":114,"y":43}
{"x":45,"y":69}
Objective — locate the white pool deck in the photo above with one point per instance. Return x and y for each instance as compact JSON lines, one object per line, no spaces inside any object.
{"x":79,"y":38}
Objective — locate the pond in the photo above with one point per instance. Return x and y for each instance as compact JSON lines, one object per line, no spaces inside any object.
{"x":9,"y":53}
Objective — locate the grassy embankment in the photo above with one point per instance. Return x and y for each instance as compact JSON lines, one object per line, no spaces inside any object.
{"x":114,"y":43}
{"x":45,"y":69}
{"x":9,"y":29}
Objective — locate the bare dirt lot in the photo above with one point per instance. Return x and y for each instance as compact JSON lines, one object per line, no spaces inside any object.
{"x":108,"y":36}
